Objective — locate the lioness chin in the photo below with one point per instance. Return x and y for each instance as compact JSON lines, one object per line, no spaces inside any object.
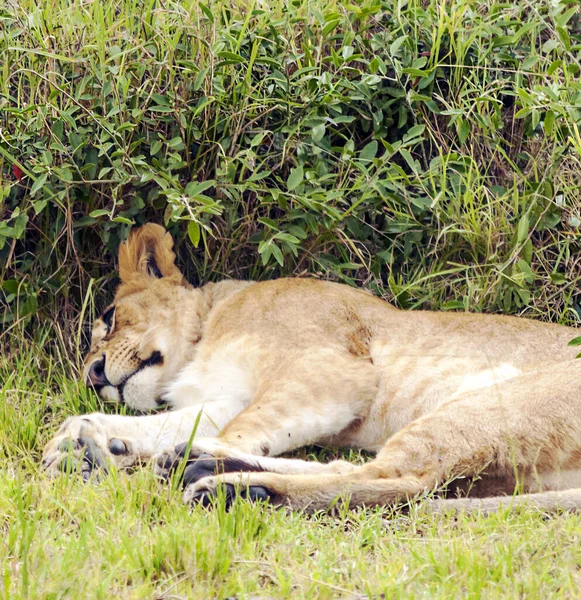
{"x":260,"y":369}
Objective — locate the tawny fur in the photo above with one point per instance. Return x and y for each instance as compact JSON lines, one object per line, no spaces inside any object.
{"x":264,"y":368}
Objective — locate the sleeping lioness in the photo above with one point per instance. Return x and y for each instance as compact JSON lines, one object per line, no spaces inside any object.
{"x":260,"y":369}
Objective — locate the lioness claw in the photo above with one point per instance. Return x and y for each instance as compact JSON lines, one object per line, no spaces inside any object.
{"x":81,"y":445}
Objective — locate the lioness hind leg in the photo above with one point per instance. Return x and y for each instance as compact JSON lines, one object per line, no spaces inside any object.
{"x":309,"y":492}
{"x":528,"y":429}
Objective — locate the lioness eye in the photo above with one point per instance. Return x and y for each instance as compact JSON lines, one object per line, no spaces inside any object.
{"x":108,"y":318}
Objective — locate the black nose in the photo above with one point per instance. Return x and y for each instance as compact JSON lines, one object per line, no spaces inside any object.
{"x":97,"y":377}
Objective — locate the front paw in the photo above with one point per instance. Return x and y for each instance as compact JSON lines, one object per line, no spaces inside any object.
{"x":192,"y":462}
{"x":179,"y":460}
{"x":82,"y":445}
{"x":207,"y":490}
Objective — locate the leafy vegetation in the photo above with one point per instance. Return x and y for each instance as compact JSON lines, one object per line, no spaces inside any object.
{"x":428,"y":150}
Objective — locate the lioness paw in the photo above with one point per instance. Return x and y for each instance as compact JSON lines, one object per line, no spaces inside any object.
{"x":188,"y":454}
{"x":82,"y":445}
{"x":193,"y":462}
{"x":208,"y":489}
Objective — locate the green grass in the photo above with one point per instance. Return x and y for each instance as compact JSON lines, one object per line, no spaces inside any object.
{"x":128,"y":536}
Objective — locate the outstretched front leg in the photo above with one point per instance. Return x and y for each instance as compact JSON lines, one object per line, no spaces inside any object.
{"x":530,"y":428}
{"x":304,"y":402}
{"x":98,"y":441}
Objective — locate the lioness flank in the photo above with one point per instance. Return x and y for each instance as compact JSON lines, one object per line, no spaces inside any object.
{"x":264,"y":368}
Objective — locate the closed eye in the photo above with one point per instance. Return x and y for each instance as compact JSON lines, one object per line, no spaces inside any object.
{"x":108,"y":318}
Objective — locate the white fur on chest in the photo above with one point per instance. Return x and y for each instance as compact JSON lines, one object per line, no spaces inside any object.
{"x":226,"y":376}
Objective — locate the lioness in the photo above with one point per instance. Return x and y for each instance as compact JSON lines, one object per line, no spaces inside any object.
{"x":263,"y":368}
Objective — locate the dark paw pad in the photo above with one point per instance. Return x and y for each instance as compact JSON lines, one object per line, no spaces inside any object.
{"x":182,"y":449}
{"x":92,"y":458}
{"x":92,"y":455}
{"x":69,"y":445}
{"x":207,"y":498}
{"x":166,"y":462}
{"x":205,"y":466}
{"x":256,"y":493}
{"x":117,"y":447}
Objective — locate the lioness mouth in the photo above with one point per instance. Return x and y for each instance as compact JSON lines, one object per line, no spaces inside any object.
{"x":156,"y":358}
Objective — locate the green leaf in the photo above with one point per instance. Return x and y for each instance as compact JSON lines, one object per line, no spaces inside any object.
{"x":176,"y":143}
{"x":295,"y":178}
{"x":414,"y":132}
{"x":194,"y":232}
{"x":463,"y":130}
{"x":270,"y":223}
{"x":286,"y":237}
{"x":257,"y":139}
{"x":564,"y":37}
{"x":207,"y":12}
{"x":554,"y":66}
{"x":84,"y":221}
{"x":395,"y":46}
{"x":64,"y":173}
{"x":369,"y":151}
{"x":161,"y":109}
{"x":39,"y":206}
{"x":202,"y":103}
{"x":194,"y":188}
{"x":11,"y":286}
{"x":159,"y":99}
{"x":124,"y":220}
{"x":155,"y":147}
{"x":529,"y":276}
{"x":522,"y":229}
{"x":330,"y":26}
{"x":200,"y":79}
{"x":576,"y":341}
{"x":415,"y":72}
{"x":231,"y":57}
{"x":20,"y":225}
{"x":38,"y":184}
{"x":258,"y":176}
{"x":549,"y":122}
{"x":318,"y":132}
{"x":265,"y":253}
{"x":503,"y":40}
{"x":98,"y":213}
{"x":277,"y":253}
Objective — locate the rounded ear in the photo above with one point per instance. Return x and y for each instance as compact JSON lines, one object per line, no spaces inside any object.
{"x":148,"y":252}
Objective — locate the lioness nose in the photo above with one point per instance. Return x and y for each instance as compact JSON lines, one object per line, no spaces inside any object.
{"x":97,"y":377}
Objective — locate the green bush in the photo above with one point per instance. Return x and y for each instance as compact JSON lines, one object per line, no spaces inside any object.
{"x":429,"y":150}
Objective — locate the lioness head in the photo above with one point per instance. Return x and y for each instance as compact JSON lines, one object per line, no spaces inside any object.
{"x":149,"y":332}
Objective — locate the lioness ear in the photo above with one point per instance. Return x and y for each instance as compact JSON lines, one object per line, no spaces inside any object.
{"x":148,"y":252}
